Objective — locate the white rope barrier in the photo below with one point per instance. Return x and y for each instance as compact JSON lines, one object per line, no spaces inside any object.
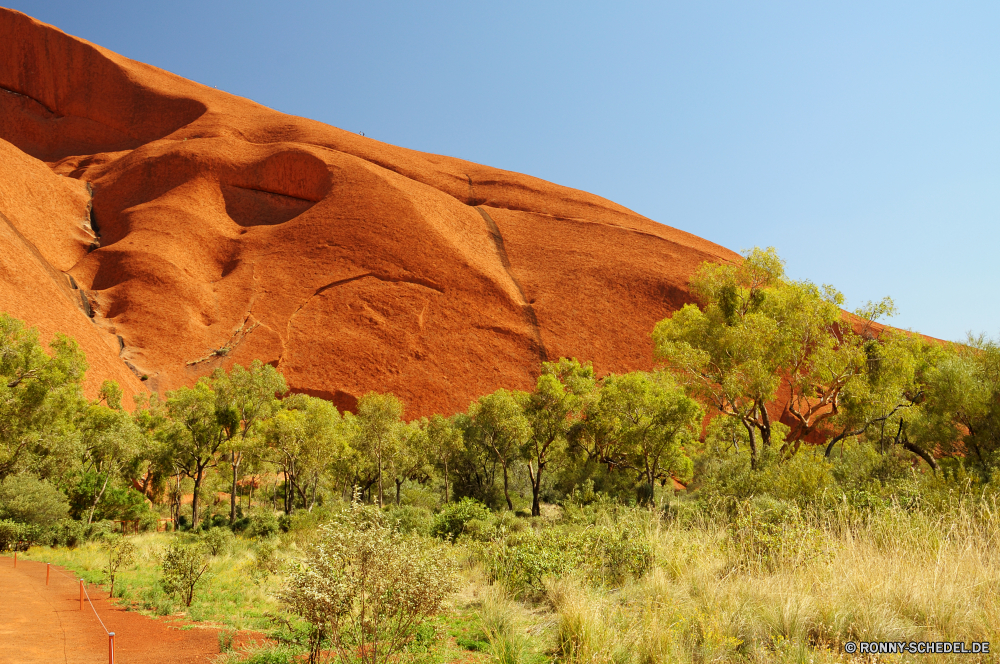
{"x":93,"y":609}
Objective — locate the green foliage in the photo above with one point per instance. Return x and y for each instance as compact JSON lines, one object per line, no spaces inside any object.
{"x":366,"y":588}
{"x":451,"y":521}
{"x":305,"y":438}
{"x":768,"y":533}
{"x":13,"y":533}
{"x":27,"y":499}
{"x":184,"y":567}
{"x":67,"y":532}
{"x":265,"y":562}
{"x":409,"y":519}
{"x":263,"y":523}
{"x":608,"y":553}
{"x":39,"y":400}
{"x":120,"y":553}
{"x":218,"y":541}
{"x":499,"y":427}
{"x":379,"y":434}
{"x":645,"y":422}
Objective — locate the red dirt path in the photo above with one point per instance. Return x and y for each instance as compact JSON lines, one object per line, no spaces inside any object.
{"x":42,"y":624}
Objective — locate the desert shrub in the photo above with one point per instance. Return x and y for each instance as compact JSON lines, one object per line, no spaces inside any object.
{"x":450,"y":522}
{"x":119,"y":553}
{"x":767,"y":533}
{"x":366,"y":587}
{"x":66,"y":532}
{"x":804,"y":479}
{"x":521,"y":562}
{"x":184,"y":566}
{"x":409,"y":519}
{"x":218,"y":541}
{"x":11,"y":533}
{"x":263,"y":524}
{"x":27,"y":499}
{"x":265,"y":561}
{"x":609,"y":554}
{"x":100,"y":531}
{"x":284,"y":523}
{"x":617,"y":552}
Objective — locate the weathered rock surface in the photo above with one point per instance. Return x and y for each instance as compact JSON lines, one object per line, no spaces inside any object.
{"x":228,"y":232}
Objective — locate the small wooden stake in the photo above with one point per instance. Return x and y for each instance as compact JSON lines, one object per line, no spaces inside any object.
{"x":81,"y":594}
{"x":48,"y":566}
{"x":111,"y":648}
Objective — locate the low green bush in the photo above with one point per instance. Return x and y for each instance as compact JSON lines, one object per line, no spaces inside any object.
{"x":218,"y":541}
{"x":27,"y":499}
{"x":263,"y":524}
{"x":410,"y":519}
{"x":450,"y":522}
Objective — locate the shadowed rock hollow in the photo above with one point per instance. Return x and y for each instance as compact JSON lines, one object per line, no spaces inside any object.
{"x":220,"y":231}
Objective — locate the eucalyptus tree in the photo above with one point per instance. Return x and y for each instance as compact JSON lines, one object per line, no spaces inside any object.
{"x":111,"y":442}
{"x":155,"y":466}
{"x":959,"y":409}
{"x":246,"y":396}
{"x":305,"y":436}
{"x":40,"y":399}
{"x":648,"y":423}
{"x":757,"y":335}
{"x":561,"y":396}
{"x":446,"y":440}
{"x":198,"y":435}
{"x":500,"y":427}
{"x":379,"y":432}
{"x":730,"y":352}
{"x":413,"y":461}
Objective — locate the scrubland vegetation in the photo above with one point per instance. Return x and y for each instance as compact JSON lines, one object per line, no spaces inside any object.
{"x":788,"y":480}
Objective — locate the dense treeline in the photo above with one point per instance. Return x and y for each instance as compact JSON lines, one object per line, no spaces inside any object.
{"x":785,"y":379}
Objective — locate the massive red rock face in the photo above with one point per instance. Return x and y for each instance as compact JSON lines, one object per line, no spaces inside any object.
{"x":173,"y":229}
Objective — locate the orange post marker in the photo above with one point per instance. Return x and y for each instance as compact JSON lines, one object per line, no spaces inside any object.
{"x":81,"y":594}
{"x":111,"y":648}
{"x":48,"y":566}
{"x":15,"y":558}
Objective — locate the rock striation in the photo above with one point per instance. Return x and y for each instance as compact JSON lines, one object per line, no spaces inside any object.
{"x":173,"y":228}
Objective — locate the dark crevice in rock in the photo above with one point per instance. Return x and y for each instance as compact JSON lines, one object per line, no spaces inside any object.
{"x":52,"y":112}
{"x":87,"y":309}
{"x":529,"y":311}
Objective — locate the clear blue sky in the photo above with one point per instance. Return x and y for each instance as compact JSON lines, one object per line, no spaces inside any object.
{"x":862,"y":139}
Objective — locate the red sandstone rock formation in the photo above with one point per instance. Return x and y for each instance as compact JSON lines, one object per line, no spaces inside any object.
{"x":226,"y":231}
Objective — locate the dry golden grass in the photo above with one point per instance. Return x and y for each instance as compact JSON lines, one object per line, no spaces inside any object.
{"x":895,"y":576}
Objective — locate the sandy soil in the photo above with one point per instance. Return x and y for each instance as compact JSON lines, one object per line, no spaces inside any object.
{"x":42,"y":624}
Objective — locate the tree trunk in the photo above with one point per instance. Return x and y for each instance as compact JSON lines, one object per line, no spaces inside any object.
{"x":506,"y":493}
{"x":536,"y":489}
{"x":651,"y":481}
{"x":237,"y":459}
{"x":380,"y":494}
{"x":753,"y":445}
{"x":93,"y":508}
{"x":399,"y":487}
{"x":922,"y":454}
{"x":446,"y":480}
{"x":194,"y":496}
{"x":765,"y":426}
